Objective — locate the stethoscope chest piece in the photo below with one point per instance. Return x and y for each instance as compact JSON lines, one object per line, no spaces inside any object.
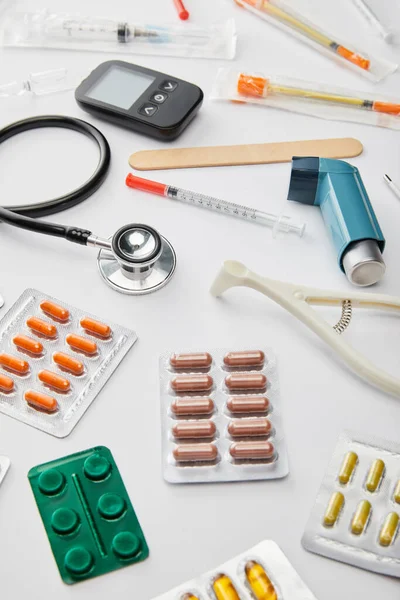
{"x":138,"y":261}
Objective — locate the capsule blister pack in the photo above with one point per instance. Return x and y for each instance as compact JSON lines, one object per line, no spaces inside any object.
{"x":357,"y":512}
{"x":261,"y":573}
{"x":54,"y":360}
{"x":4,"y":466}
{"x":220,"y":416}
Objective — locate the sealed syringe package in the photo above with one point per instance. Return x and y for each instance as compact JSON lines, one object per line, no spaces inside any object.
{"x":262,"y":572}
{"x":383,"y":16}
{"x":282,"y":15}
{"x":69,"y":31}
{"x":220,"y":416}
{"x":306,"y":97}
{"x":54,"y":361}
{"x":356,"y":515}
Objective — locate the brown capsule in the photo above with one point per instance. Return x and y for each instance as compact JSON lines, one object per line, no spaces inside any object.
{"x":198,"y":360}
{"x":42,"y":327}
{"x":192,"y":383}
{"x":252,"y":450}
{"x":100,"y":329}
{"x":28,"y":344}
{"x":248,"y":358}
{"x":246,"y":381}
{"x":41,"y":401}
{"x":6,"y":384}
{"x":248,"y":405}
{"x":54,"y":381}
{"x":81,"y":344}
{"x":186,"y":430}
{"x":192,"y":406}
{"x":240,"y":428}
{"x":55,"y":311}
{"x":195,"y":453}
{"x":14,"y":364}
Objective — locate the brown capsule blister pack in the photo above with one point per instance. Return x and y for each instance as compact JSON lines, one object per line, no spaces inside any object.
{"x":220,"y":416}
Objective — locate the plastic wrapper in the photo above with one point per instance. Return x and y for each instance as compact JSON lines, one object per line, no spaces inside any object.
{"x":54,"y":364}
{"x":307,"y":97}
{"x":220,"y":416}
{"x":43,"y":29}
{"x":357,"y":512}
{"x":40,"y":84}
{"x":263,"y":573}
{"x":4,"y":466}
{"x":383,"y":17}
{"x":280,"y":14}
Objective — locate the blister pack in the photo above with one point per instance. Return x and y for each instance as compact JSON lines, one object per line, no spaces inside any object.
{"x":356,"y":515}
{"x":4,"y":466}
{"x":220,"y":416}
{"x":261,"y":573}
{"x":54,"y":360}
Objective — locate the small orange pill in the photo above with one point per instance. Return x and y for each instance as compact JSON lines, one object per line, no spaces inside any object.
{"x":92,"y":326}
{"x":54,"y":381}
{"x":198,"y":360}
{"x":68,"y":363}
{"x":249,"y":358}
{"x":55,"y":311}
{"x":81,"y":344}
{"x":14,"y":364}
{"x":41,"y":401}
{"x":192,"y":383}
{"x":30,"y":345}
{"x":6,"y":384}
{"x":252,"y":450}
{"x":42,"y":327}
{"x":246,"y":381}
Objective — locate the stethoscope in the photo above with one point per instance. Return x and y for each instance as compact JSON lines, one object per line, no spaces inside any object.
{"x":135,"y":260}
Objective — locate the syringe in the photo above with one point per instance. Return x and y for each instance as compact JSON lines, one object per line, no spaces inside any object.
{"x":276,"y":222}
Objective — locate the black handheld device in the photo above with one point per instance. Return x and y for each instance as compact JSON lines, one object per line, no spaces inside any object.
{"x":137,"y":98}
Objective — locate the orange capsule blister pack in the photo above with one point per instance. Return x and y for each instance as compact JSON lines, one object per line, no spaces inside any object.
{"x":54,"y":360}
{"x":220,"y":416}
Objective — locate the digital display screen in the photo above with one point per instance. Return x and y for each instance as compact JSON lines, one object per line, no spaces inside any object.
{"x":120,"y":87}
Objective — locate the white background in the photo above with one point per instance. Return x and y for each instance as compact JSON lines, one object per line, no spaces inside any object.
{"x":192,"y":528}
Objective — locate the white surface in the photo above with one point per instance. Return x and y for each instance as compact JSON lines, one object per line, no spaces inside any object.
{"x":190,"y":529}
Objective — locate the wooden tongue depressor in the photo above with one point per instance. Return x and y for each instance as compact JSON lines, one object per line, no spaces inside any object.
{"x":247,"y":154}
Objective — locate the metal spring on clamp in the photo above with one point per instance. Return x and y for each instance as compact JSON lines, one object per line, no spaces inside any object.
{"x":347,"y":313}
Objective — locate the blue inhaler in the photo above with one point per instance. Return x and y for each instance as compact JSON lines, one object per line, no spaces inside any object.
{"x":337,"y":188}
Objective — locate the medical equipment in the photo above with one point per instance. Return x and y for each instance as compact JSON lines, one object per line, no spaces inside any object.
{"x":393,"y":186}
{"x":297,"y":299}
{"x":281,"y":14}
{"x":182,"y":12}
{"x":135,"y":260}
{"x":243,"y":154}
{"x":223,"y":207}
{"x":337,"y":188}
{"x":68,"y":31}
{"x":138,"y":98}
{"x":39,"y":84}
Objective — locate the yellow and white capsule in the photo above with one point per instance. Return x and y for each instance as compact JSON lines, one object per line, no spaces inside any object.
{"x":361,"y":517}
{"x":334,"y":509}
{"x":347,"y":468}
{"x":259,"y":582}
{"x":375,"y":475}
{"x":396,"y":494}
{"x":389,"y":529}
{"x":224,"y":588}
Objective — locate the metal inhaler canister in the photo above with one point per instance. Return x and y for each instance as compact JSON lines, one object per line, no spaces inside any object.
{"x":337,"y":188}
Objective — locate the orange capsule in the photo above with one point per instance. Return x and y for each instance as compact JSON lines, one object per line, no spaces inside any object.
{"x":249,"y":358}
{"x":198,"y":360}
{"x":28,"y":344}
{"x":42,"y":327}
{"x":195,"y":453}
{"x":240,"y":428}
{"x":54,"y":381}
{"x":55,"y":311}
{"x":41,"y":401}
{"x":182,"y":407}
{"x":248,"y":404}
{"x":68,"y":363}
{"x":246,"y":381}
{"x":252,"y":450}
{"x":192,"y":383}
{"x":95,"y":327}
{"x":81,"y":344}
{"x":186,"y":430}
{"x":6,"y":384}
{"x":14,"y":364}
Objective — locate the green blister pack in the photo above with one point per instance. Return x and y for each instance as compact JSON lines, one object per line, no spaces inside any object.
{"x":88,"y":516}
